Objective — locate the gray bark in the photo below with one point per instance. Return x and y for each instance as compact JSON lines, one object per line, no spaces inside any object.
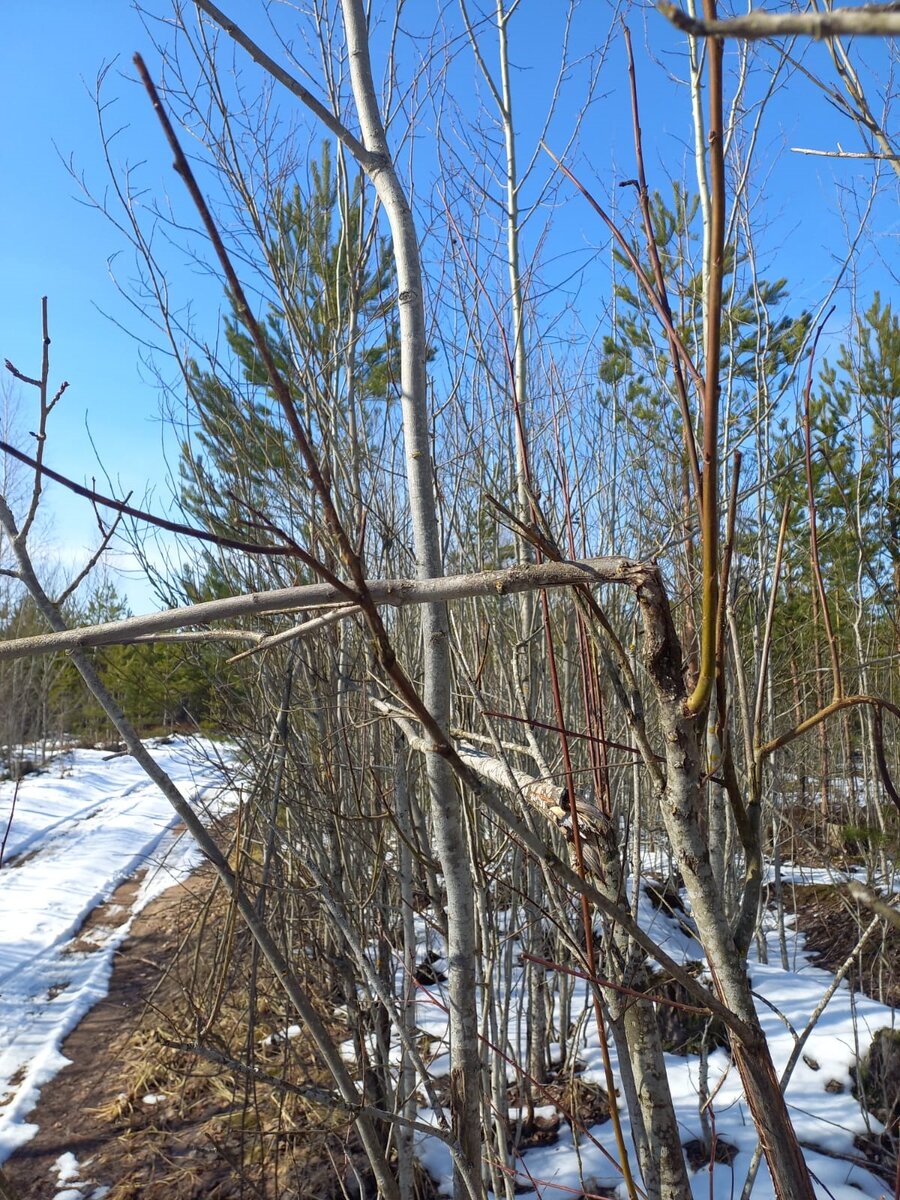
{"x":407,"y":1083}
{"x":680,"y":806}
{"x":655,"y":1132}
{"x":397,"y":593}
{"x":446,"y":810}
{"x":872,"y":21}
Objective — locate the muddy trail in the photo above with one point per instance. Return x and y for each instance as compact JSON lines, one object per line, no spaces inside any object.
{"x":70,"y":1112}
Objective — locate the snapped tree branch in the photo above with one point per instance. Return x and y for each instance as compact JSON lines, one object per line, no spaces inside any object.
{"x":397,"y":593}
{"x":871,"y":20}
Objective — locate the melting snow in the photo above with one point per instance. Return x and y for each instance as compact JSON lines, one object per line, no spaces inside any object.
{"x":90,"y":823}
{"x":73,"y":834}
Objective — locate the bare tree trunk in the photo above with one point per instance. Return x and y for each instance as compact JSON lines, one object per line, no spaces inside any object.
{"x":680,"y":805}
{"x":446,"y":809}
{"x":407,"y":1082}
{"x":654,"y":1127}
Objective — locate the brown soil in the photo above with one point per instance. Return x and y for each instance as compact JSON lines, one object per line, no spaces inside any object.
{"x":95,"y":1077}
{"x":107,"y":917}
{"x":211,"y":1130}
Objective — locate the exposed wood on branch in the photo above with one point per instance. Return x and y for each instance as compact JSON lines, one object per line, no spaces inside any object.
{"x":865,"y":895}
{"x":870,"y":155}
{"x":480,"y":776}
{"x":547,"y":797}
{"x":872,"y":20}
{"x":396,"y":592}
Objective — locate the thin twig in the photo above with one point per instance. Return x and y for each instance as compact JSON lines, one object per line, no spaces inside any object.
{"x":651,"y":997}
{"x":878,"y":738}
{"x":310,"y":1092}
{"x":634,"y":262}
{"x":813,"y":520}
{"x":687,"y":423}
{"x":91,"y":562}
{"x":41,"y":435}
{"x":709,"y":538}
{"x":261,"y":342}
{"x":140,"y":514}
{"x":770,"y":621}
{"x":367,"y":160}
{"x":9,"y":820}
{"x":297,"y":631}
{"x":836,"y":706}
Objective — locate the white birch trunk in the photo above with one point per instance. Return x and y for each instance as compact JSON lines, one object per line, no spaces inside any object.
{"x":407,"y":1082}
{"x":446,"y":810}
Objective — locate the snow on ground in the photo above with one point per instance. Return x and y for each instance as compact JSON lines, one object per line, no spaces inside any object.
{"x":824,"y":1112}
{"x":74,"y":833}
{"x":70,"y":1172}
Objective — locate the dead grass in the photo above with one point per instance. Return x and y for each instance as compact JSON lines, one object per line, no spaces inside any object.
{"x":213,"y":1130}
{"x":189,"y":976}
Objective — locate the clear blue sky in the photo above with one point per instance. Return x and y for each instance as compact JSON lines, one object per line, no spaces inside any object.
{"x":54,"y":244}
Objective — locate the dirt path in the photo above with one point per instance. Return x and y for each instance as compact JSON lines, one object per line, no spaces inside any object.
{"x":147,"y":1121}
{"x":67,"y":1112}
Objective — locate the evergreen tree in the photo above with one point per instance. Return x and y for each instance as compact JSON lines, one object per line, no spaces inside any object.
{"x":160,"y":685}
{"x":332,"y":333}
{"x":761,"y":343}
{"x":866,"y":383}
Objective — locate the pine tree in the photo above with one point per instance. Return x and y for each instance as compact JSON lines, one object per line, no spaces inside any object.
{"x":761,"y":339}
{"x":333,"y":334}
{"x":866,"y":381}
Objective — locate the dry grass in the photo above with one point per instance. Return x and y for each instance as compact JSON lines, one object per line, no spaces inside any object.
{"x":831,"y":922}
{"x":214,"y":1129}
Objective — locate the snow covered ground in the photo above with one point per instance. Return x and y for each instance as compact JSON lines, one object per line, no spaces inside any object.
{"x":74,"y":833}
{"x":825,"y":1114}
{"x":77,"y":831}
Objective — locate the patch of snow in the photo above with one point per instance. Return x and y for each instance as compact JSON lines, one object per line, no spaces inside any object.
{"x":68,"y":1170}
{"x":66,"y":1167}
{"x":585,"y":1161}
{"x":282,"y":1035}
{"x":77,"y":832}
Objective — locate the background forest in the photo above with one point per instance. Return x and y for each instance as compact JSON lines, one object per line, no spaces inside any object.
{"x":419,"y":374}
